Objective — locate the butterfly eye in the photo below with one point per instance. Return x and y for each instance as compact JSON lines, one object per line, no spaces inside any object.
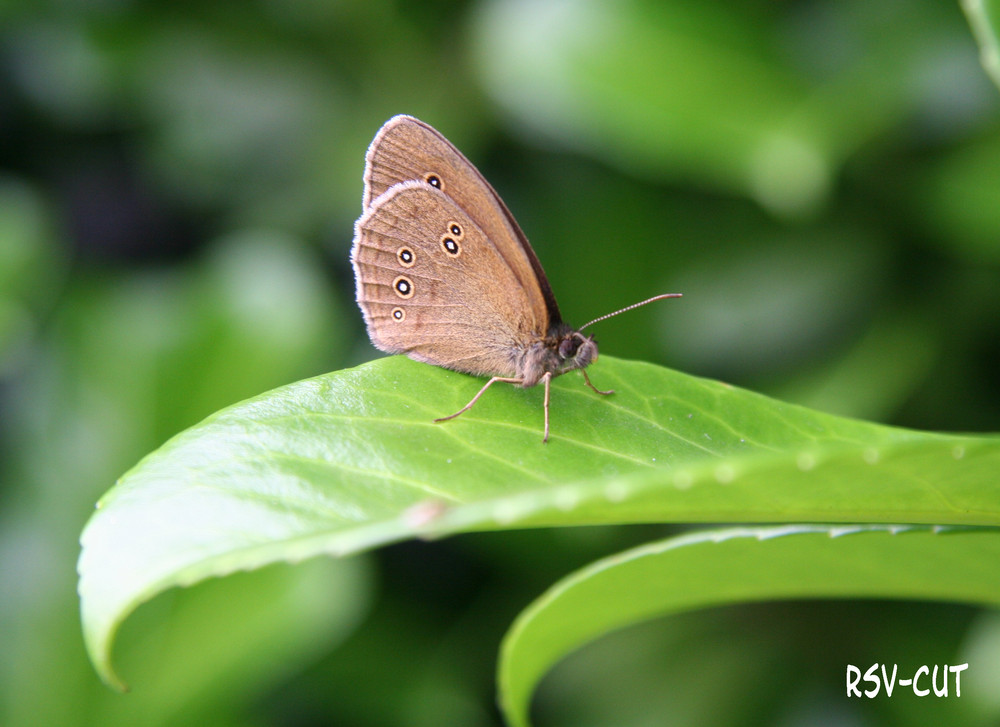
{"x":568,"y":347}
{"x":403,"y":286}
{"x":398,"y":314}
{"x":450,"y":246}
{"x":434,"y":180}
{"x":406,"y":257}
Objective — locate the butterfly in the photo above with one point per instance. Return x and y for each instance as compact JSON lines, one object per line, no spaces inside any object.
{"x":445,"y":275}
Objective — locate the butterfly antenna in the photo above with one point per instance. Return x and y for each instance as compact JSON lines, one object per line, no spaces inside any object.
{"x":630,"y":307}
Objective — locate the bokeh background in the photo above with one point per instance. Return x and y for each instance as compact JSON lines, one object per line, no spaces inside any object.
{"x":178,"y":183}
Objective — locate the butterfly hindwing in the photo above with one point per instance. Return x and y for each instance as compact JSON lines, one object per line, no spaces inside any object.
{"x":431,"y":285}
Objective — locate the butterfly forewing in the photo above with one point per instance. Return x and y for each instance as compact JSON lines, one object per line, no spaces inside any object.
{"x":432,"y":286}
{"x":406,"y":148}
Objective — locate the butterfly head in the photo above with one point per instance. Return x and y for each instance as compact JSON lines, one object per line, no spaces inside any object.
{"x":562,"y":350}
{"x":576,"y":351}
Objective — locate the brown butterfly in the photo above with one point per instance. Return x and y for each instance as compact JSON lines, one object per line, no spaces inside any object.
{"x":445,"y":275}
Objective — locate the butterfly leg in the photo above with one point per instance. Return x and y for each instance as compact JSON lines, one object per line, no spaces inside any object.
{"x":476,"y":397}
{"x":586,"y":380}
{"x":547,"y":378}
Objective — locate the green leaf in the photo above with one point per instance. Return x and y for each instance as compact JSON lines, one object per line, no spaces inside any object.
{"x":352,"y":460}
{"x":723,"y":567}
{"x":714,"y":98}
{"x":984,"y":17}
{"x":221,"y":644}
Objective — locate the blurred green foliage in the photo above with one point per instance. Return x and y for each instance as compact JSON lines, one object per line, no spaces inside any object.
{"x":178,"y":183}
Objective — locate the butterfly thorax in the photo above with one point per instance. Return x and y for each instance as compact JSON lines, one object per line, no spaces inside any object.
{"x":562,"y":350}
